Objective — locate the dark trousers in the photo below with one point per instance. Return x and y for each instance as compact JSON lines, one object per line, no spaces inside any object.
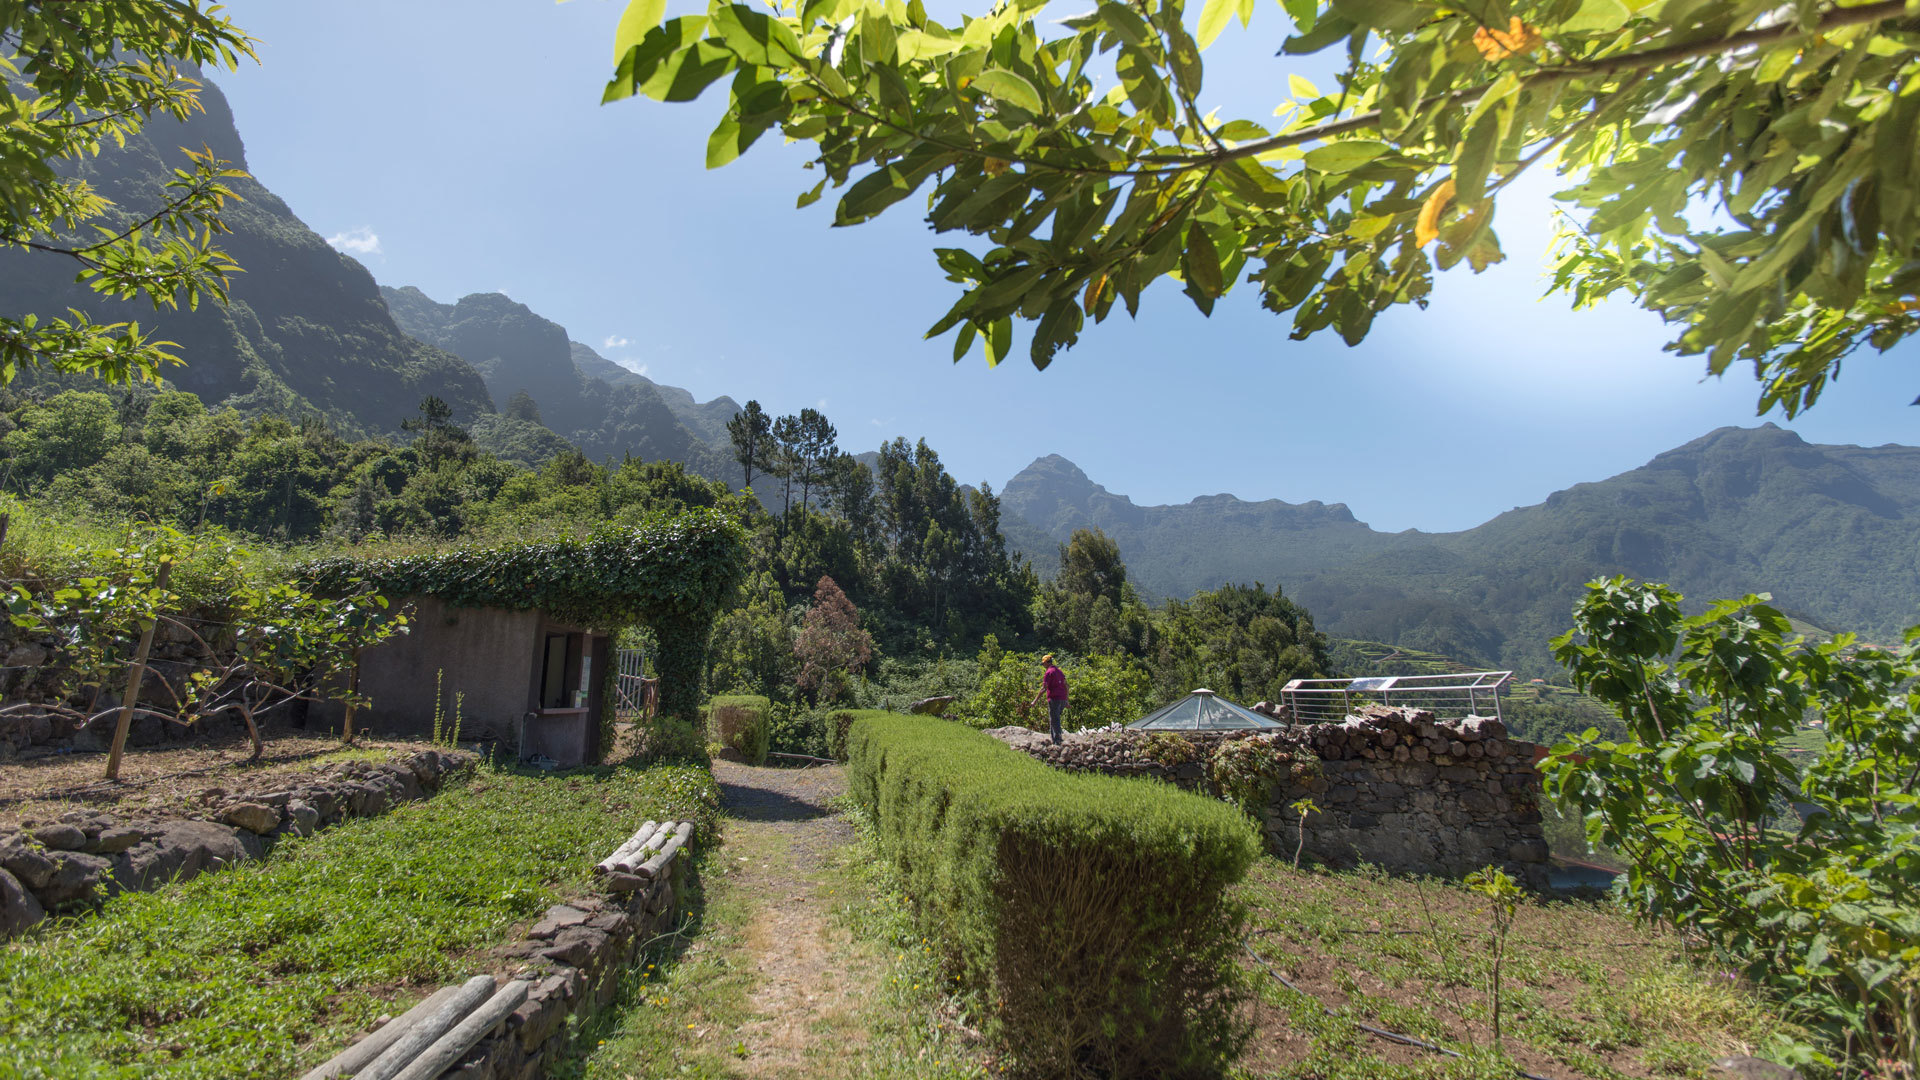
{"x":1055,"y":706}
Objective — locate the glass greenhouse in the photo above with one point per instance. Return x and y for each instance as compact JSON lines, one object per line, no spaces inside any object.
{"x":1204,"y":710}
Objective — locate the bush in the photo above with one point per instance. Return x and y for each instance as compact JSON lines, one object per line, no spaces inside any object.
{"x":1092,"y":914}
{"x":795,"y":730}
{"x":840,"y":723}
{"x":1102,"y":690}
{"x":668,"y":740}
{"x":740,"y":724}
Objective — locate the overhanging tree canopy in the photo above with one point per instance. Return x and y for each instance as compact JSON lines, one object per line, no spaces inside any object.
{"x":672,"y":572}
{"x":1794,"y":123}
{"x":75,"y":77}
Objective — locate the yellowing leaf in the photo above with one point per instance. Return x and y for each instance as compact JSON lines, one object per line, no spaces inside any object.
{"x":994,"y":166}
{"x":1427,"y":228}
{"x":1517,"y":38}
{"x":640,"y":17}
{"x":1214,"y":17}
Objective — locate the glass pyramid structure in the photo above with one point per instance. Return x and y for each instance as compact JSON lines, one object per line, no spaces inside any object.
{"x":1203,"y":710}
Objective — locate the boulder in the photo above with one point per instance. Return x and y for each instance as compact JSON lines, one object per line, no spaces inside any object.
{"x":302,"y":820}
{"x":19,"y":909}
{"x":76,"y":880}
{"x":114,"y":839}
{"x":61,"y":837}
{"x":32,"y":865}
{"x":254,"y":817}
{"x":27,"y":654}
{"x":932,"y":706}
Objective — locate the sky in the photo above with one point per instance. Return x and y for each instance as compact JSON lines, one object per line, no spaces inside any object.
{"x":460,"y":146}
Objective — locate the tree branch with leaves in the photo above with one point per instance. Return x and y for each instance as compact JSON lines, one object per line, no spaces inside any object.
{"x":1791,"y":128}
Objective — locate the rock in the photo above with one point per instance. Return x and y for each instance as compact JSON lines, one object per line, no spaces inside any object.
{"x":19,"y":909}
{"x":61,"y":837}
{"x":1529,"y":851}
{"x":932,"y":706}
{"x":621,"y":883}
{"x":114,"y":839}
{"x":302,"y":820}
{"x":367,"y":800}
{"x":76,"y":880}
{"x":252,"y":816}
{"x":575,"y":946}
{"x":33,"y":866}
{"x":540,"y":1015}
{"x":558,"y":917}
{"x":27,"y":655}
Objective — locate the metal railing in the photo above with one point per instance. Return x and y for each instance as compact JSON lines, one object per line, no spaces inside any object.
{"x":1448,"y":697}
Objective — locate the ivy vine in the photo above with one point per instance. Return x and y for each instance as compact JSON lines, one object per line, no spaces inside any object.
{"x":672,"y":572}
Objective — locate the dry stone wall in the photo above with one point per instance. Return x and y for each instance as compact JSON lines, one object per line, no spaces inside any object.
{"x":1395,"y":788}
{"x":74,"y":863}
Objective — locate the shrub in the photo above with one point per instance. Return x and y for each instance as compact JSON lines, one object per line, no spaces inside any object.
{"x":1245,"y":771}
{"x":670,"y":740}
{"x":840,"y":723}
{"x":740,"y":724}
{"x":1091,"y":913}
{"x":1102,"y":690}
{"x":795,"y":730}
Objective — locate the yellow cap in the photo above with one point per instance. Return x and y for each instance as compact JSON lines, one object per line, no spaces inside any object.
{"x":1047,"y":659}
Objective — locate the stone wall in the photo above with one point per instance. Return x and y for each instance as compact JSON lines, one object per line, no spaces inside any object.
{"x":1395,"y":788}
{"x":76,"y":862}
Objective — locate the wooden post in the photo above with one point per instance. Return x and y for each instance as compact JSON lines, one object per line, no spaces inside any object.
{"x":353,"y":693}
{"x":133,"y":680}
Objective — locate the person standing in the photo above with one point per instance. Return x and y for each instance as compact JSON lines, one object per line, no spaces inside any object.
{"x":1053,"y":686}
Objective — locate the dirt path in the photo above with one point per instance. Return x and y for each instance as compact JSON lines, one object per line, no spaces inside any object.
{"x":808,"y":980}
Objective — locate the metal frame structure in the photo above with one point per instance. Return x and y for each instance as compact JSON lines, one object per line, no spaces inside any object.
{"x":1448,"y":697}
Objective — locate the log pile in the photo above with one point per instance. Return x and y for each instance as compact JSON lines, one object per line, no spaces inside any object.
{"x":432,"y":1036}
{"x":646,"y":855}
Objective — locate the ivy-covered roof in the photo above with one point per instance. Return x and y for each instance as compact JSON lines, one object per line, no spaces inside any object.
{"x":669,"y":567}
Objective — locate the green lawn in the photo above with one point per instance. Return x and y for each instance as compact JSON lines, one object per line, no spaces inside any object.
{"x":267,"y":969}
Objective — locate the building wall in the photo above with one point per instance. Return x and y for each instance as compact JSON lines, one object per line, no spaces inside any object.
{"x":490,"y":655}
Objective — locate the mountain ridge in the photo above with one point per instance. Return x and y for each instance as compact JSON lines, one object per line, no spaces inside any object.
{"x":1832,"y":531}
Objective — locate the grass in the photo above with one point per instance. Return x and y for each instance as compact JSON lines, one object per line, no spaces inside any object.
{"x":266,"y":969}
{"x":1588,"y":993}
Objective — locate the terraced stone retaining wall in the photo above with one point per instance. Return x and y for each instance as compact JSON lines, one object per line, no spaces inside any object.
{"x":1395,"y":788}
{"x":73,"y":863}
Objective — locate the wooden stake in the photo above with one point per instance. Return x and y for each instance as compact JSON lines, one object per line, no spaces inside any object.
{"x":353,"y":692}
{"x":133,"y":680}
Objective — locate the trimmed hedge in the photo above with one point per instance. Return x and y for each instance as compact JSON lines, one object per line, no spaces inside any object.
{"x":840,"y":722}
{"x":1092,"y":914}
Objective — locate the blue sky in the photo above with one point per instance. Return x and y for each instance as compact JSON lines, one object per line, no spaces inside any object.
{"x":459,"y":146}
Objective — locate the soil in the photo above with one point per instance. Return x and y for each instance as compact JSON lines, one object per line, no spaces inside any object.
{"x":781,"y":832}
{"x":167,"y":781}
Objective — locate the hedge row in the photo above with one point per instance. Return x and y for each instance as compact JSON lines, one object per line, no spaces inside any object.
{"x":1091,"y":914}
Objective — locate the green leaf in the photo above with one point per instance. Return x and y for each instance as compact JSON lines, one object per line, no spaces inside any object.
{"x":1214,"y":16}
{"x":1597,"y":16}
{"x":1394,"y":15}
{"x":640,"y":17}
{"x":1009,"y":87}
{"x":999,"y":341}
{"x":808,"y":198}
{"x":1345,"y":156}
{"x":1128,"y":24}
{"x":1201,"y":267}
{"x":756,"y":37}
{"x":684,"y":75}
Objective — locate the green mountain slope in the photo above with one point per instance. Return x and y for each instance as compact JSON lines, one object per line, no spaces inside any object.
{"x":1833,"y":532}
{"x":307,"y":330}
{"x":599,"y":406}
